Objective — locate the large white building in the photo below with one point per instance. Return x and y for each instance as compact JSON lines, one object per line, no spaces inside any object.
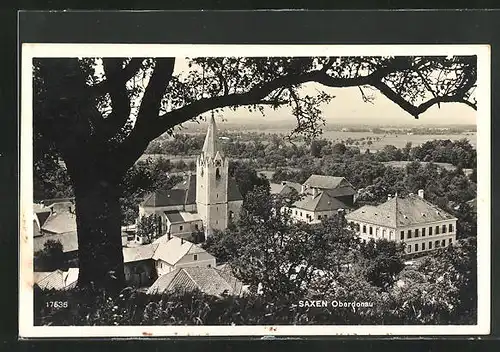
{"x":205,"y":201}
{"x":321,"y":197}
{"x":419,"y":224}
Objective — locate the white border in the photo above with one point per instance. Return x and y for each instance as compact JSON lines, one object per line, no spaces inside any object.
{"x":29,"y":51}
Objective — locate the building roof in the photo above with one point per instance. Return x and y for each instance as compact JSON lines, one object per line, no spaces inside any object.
{"x":285,"y":188}
{"x":323,"y":201}
{"x":181,"y":216}
{"x":69,"y":241}
{"x":171,"y":251}
{"x":184,"y":193}
{"x":56,"y":280}
{"x":211,"y":145}
{"x":326,"y":182}
{"x":208,"y":280}
{"x":142,"y":252}
{"x":59,"y":222}
{"x":400,"y":212}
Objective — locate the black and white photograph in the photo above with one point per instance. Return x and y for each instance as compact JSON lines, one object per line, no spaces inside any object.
{"x":212,"y":190}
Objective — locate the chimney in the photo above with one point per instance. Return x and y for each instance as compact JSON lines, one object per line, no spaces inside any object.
{"x":169,"y":237}
{"x":314,"y":192}
{"x":182,"y":240}
{"x":389,"y":196}
{"x":421,"y":193}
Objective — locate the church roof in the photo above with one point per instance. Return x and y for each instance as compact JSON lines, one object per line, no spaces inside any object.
{"x":400,"y":212}
{"x":211,"y":145}
{"x":184,"y":193}
{"x":323,"y":201}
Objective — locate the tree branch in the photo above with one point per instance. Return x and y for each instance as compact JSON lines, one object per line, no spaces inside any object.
{"x":122,"y":77}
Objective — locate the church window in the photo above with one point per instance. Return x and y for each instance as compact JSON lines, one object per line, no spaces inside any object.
{"x":217,"y":195}
{"x":217,"y":174}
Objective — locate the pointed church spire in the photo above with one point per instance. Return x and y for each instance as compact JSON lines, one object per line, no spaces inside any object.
{"x":211,"y":147}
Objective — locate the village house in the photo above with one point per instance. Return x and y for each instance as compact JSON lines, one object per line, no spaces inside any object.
{"x":205,"y":201}
{"x":322,"y":197}
{"x":143,"y":264}
{"x":412,"y":220}
{"x":56,"y":280}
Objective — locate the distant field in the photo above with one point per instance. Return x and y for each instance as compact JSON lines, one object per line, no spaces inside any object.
{"x":401,"y":164}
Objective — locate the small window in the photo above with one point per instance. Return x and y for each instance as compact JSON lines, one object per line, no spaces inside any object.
{"x":409,"y":248}
{"x":217,"y":174}
{"x":443,"y":229}
{"x":371,"y":230}
{"x":450,"y":241}
{"x":450,"y":228}
{"x":409,"y":233}
{"x":364,"y":228}
{"x":319,"y":217}
{"x":295,"y":212}
{"x":436,"y":244}
{"x":423,"y":232}
{"x":209,"y":265}
{"x":402,"y":235}
{"x":423,"y":246}
{"x":416,"y":233}
{"x":181,"y":228}
{"x":430,"y":231}
{"x":195,"y":257}
{"x":300,"y":213}
{"x":437,"y":230}
{"x":443,"y":243}
{"x":430,"y":244}
{"x":196,"y":226}
{"x":416,"y":247}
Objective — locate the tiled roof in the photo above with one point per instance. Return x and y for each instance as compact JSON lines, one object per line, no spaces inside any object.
{"x":68,"y":240}
{"x":171,"y":251}
{"x":62,"y":222}
{"x":174,"y":216}
{"x":326,"y":182}
{"x":142,"y":252}
{"x":184,"y":193}
{"x":208,"y":280}
{"x":162,"y":198}
{"x":56,"y":280}
{"x":285,"y":188}
{"x":323,"y":201}
{"x":233,"y":192}
{"x":400,"y":212}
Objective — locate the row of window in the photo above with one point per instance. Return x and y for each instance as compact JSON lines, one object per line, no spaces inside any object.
{"x":308,"y":216}
{"x":417,"y":232}
{"x":437,"y":244}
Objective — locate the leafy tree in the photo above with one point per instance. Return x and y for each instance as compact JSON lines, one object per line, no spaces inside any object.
{"x":246,"y":178}
{"x":100,"y":124}
{"x":148,"y":226}
{"x":51,"y":257}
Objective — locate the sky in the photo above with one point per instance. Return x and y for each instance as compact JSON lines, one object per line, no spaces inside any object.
{"x":348,"y":107}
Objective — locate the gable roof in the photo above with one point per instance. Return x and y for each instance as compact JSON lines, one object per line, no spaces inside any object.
{"x":57,"y":223}
{"x":171,"y":251}
{"x":56,"y":280}
{"x":400,"y":212}
{"x":323,"y":201}
{"x":326,"y":182}
{"x":162,"y":198}
{"x":69,"y":241}
{"x":207,"y":280}
{"x":141,"y":252}
{"x":181,"y":216}
{"x":285,"y":188}
{"x":233,"y":192}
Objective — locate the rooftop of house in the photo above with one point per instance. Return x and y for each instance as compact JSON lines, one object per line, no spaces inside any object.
{"x":327,"y":182}
{"x":400,"y":212}
{"x":68,"y":240}
{"x":56,"y":280}
{"x":59,"y":222}
{"x":168,"y":250}
{"x":322,"y":201}
{"x":208,"y":280}
{"x":184,"y":193}
{"x":181,"y":216}
{"x":285,"y":188}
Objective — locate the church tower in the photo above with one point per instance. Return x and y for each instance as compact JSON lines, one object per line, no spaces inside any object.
{"x":212,"y":174}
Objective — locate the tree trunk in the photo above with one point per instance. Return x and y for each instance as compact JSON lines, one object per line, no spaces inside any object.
{"x":99,"y":234}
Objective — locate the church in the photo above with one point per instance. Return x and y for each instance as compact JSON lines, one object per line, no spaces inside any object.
{"x":203,"y":202}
